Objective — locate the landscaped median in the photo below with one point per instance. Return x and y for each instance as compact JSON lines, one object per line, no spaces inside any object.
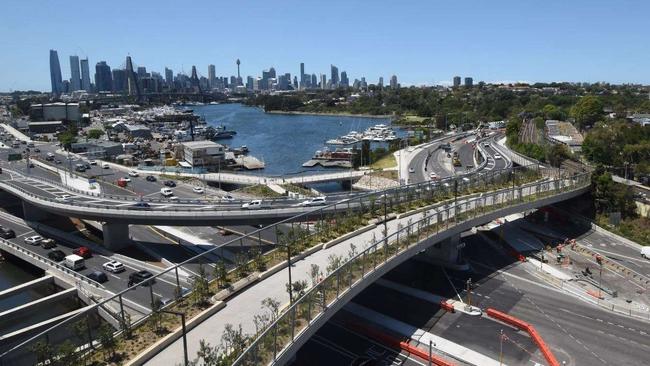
{"x":209,"y":288}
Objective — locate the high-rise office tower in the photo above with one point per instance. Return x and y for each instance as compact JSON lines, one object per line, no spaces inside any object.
{"x":345,"y":82}
{"x":85,"y":75}
{"x":393,"y":82}
{"x":75,"y":74}
{"x":323,"y":81}
{"x":142,"y":72}
{"x":295,"y":82}
{"x":314,"y":81}
{"x":469,"y":82}
{"x":249,"y":82}
{"x":456,"y":81}
{"x":334,"y":77}
{"x":212,"y":76}
{"x":132,"y":79}
{"x":55,"y":73}
{"x":103,"y":77}
{"x":381,"y":82}
{"x":119,"y":80}
{"x":169,"y":77}
{"x":302,"y":75}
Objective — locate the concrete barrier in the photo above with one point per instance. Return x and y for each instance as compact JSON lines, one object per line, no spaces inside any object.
{"x":48,"y":279}
{"x":30,"y":306}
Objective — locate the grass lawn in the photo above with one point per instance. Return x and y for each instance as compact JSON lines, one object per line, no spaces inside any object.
{"x":387,"y":161}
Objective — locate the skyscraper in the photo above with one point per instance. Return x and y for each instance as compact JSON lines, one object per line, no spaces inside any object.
{"x":75,"y":75}
{"x":381,"y":82}
{"x":194,"y":80}
{"x":85,"y":75}
{"x":169,"y":77}
{"x":469,"y":82}
{"x":131,"y":78}
{"x":314,"y":81}
{"x":55,"y":73}
{"x":212,"y":76}
{"x":334,"y":77}
{"x":119,"y":80}
{"x":103,"y":77}
{"x":323,"y":81}
{"x":345,"y":82}
{"x":393,"y":82}
{"x":302,"y":75}
{"x":456,"y":81}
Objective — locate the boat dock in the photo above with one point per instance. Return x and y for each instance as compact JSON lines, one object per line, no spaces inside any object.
{"x":327,"y":163}
{"x":249,"y":162}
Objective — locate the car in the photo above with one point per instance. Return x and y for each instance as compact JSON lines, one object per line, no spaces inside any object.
{"x":56,"y":255}
{"x":7,"y":233}
{"x":254,"y":205}
{"x":173,"y":198}
{"x":316,"y":201}
{"x":31,"y":165}
{"x":48,"y":243}
{"x":97,"y":276}
{"x":57,"y":161}
{"x":126,"y":179}
{"x":486,"y":144}
{"x":34,"y":240}
{"x":114,"y":266}
{"x":92,"y":162}
{"x":433,"y":176}
{"x":0,"y":170}
{"x":64,"y":198}
{"x":105,"y":166}
{"x":227,"y":198}
{"x":37,"y":150}
{"x":140,"y":276}
{"x":645,"y":252}
{"x":133,"y":173}
{"x":411,"y":170}
{"x":141,"y":205}
{"x":167,"y":192}
{"x":150,"y":178}
{"x":198,"y":190}
{"x":497,"y":157}
{"x":170,"y":183}
{"x":83,"y":252}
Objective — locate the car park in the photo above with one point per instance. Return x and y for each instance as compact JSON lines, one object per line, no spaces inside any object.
{"x":114,"y":267}
{"x":7,"y":233}
{"x":97,"y":276}
{"x":150,"y":178}
{"x":83,"y":252}
{"x":140,"y":276}
{"x":56,"y":255}
{"x":48,"y":243}
{"x":133,"y":173}
{"x":170,"y":183}
{"x":34,"y":240}
{"x":198,"y":190}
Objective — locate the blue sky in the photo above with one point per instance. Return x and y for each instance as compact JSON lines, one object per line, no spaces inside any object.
{"x":422,"y":42}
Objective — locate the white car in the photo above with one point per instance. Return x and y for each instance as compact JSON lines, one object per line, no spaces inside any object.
{"x":645,"y":252}
{"x":198,"y":190}
{"x":166,"y":192}
{"x":173,"y":198}
{"x":316,"y":201}
{"x":113,"y":266}
{"x":64,"y":198}
{"x":497,"y":157}
{"x":105,"y":166}
{"x":487,"y":144}
{"x":433,"y":176}
{"x":133,"y":173}
{"x":34,"y":240}
{"x":253,"y":205}
{"x":228,"y":198}
{"x":92,"y":162}
{"x":411,"y":170}
{"x":126,"y":179}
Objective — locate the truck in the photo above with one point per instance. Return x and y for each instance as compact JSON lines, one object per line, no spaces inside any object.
{"x":74,"y":262}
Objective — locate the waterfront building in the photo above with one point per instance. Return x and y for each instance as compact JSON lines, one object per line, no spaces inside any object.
{"x":203,"y":154}
{"x":55,"y":73}
{"x":85,"y":75}
{"x":393,"y":82}
{"x":456,"y":81}
{"x":334,"y":77}
{"x":75,"y":74}
{"x":469,"y":82}
{"x":103,"y":77}
{"x":212,"y":76}
{"x":119,"y":80}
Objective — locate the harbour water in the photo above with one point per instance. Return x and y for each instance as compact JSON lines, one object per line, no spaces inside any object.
{"x":282,"y":141}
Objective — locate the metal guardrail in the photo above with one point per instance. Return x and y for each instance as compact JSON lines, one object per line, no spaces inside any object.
{"x":273,"y":342}
{"x":366,"y":203}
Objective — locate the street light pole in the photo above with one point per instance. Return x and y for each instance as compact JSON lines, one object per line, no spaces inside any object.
{"x":289,"y":266}
{"x":182,"y":315}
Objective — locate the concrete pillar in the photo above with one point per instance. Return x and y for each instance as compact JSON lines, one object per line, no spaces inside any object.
{"x":116,"y":236}
{"x":33,"y":213}
{"x":446,"y":253}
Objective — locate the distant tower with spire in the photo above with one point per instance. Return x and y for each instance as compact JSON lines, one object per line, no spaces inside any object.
{"x":239,"y":81}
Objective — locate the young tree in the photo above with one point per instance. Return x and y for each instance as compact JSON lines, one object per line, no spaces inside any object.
{"x":272,"y":306}
{"x":314,"y":274}
{"x":42,"y":350}
{"x":221,"y":273}
{"x":233,"y":340}
{"x":241,"y":261}
{"x":333,"y":262}
{"x":108,"y":341}
{"x":200,"y":286}
{"x":298,"y":288}
{"x":66,"y":354}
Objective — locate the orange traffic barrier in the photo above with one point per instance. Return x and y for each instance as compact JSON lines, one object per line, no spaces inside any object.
{"x":595,"y":294}
{"x":446,"y":306}
{"x":394,"y":342}
{"x":518,"y":323}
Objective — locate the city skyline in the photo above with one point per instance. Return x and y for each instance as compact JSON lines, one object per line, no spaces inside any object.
{"x":423,"y":43}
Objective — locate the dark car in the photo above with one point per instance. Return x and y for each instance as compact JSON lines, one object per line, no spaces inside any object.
{"x":37,"y":150}
{"x":170,"y":183}
{"x":140,"y":276}
{"x":56,"y":255}
{"x":57,"y":161}
{"x":97,"y":276}
{"x":150,"y":178}
{"x":141,"y":205}
{"x":7,"y":233}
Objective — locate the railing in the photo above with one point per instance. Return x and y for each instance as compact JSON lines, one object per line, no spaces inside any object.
{"x":309,"y":229}
{"x":310,"y":310}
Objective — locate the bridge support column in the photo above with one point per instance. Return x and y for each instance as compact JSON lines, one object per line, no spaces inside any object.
{"x":447,"y":253}
{"x":33,"y":213}
{"x":116,"y":236}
